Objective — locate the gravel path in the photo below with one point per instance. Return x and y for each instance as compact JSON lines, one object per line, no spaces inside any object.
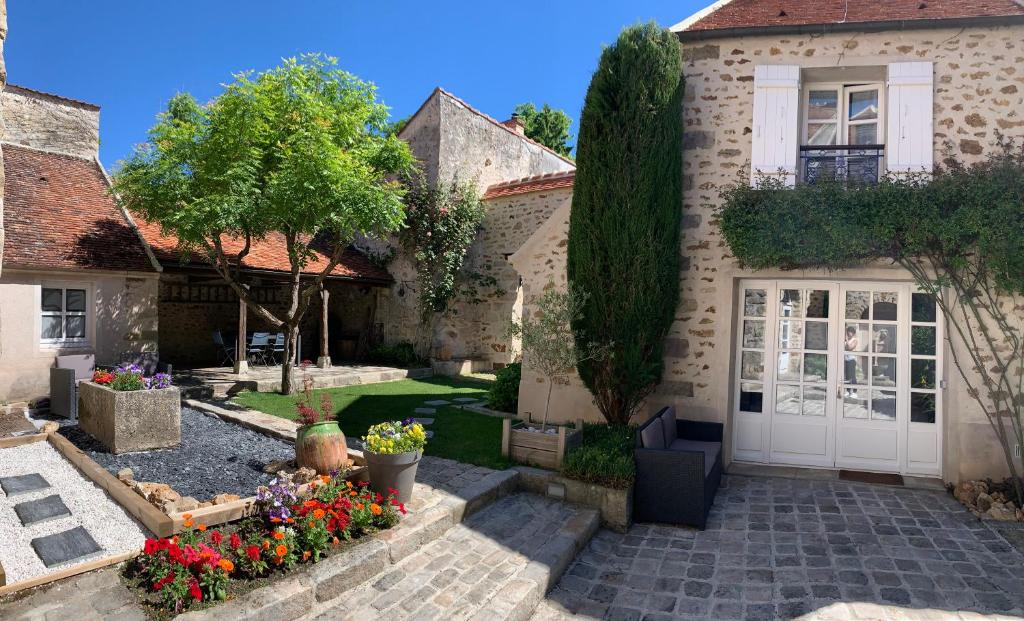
{"x":112,"y":529}
{"x":215,"y":457}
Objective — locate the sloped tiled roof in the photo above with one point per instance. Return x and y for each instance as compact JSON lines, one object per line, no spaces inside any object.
{"x":536,"y":183}
{"x":740,"y":14}
{"x":270,"y":254}
{"x":58,"y":214}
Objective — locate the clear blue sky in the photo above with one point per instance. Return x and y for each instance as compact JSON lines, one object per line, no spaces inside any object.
{"x":129,"y":56}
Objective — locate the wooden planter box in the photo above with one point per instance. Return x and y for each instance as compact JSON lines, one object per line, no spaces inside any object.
{"x":131,"y":420}
{"x":544,"y":450}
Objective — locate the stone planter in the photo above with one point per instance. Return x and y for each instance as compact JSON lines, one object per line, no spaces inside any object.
{"x":322,"y":447}
{"x":395,"y":471}
{"x":128,"y":421}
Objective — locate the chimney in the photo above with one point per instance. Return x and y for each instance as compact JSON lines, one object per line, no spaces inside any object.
{"x":515,"y":124}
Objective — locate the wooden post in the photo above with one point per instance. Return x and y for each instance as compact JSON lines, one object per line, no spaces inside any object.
{"x":324,"y":361}
{"x":241,"y":356}
{"x":506,"y":436}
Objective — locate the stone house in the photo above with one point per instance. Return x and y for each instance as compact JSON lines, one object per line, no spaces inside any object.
{"x":803,"y":89}
{"x":77,"y":277}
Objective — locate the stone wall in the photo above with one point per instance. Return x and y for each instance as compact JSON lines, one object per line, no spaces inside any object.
{"x":50,"y":123}
{"x":979,"y":84}
{"x":3,"y":83}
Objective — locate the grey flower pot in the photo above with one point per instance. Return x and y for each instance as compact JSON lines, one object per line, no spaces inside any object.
{"x":394,"y":471}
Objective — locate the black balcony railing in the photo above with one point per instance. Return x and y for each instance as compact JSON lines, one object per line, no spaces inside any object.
{"x":854,"y":164}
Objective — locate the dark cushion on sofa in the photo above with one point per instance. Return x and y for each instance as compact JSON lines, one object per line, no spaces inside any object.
{"x":710,"y":450}
{"x":668,"y":421}
{"x":653,"y":435}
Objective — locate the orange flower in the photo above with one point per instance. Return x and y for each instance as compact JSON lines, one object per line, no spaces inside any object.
{"x":174,"y":540}
{"x":187,"y":516}
{"x":291,"y":520}
{"x":310,"y":524}
{"x":278,"y":535}
{"x":226,"y":565}
{"x":188,"y":523}
{"x":275,"y":520}
{"x":318,"y":514}
{"x":202,"y":528}
{"x":335,"y":541}
{"x":359,"y":506}
{"x":309,"y":503}
{"x":375,"y":509}
{"x":281,"y":549}
{"x":325,"y":478}
{"x":266,"y":544}
{"x":348,"y":484}
{"x":352,"y":493}
{"x":306,"y":554}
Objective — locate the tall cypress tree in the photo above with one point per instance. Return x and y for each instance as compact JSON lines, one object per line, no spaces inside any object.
{"x":626,"y":210}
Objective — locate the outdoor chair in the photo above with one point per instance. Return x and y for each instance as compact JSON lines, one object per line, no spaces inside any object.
{"x":277,"y":349}
{"x":64,"y":378}
{"x":678,"y":469}
{"x":259,"y":348}
{"x":225,"y":352}
{"x":148,"y":361}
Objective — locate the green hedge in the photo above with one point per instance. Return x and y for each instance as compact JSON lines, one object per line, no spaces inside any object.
{"x":401,"y":354}
{"x":605,"y":456}
{"x":504,"y":394}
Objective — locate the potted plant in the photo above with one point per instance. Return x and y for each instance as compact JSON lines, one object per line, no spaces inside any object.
{"x":319,"y":441}
{"x":129,"y":412}
{"x":393,"y":451}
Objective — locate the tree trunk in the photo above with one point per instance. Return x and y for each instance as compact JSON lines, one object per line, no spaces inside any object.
{"x":547,"y":404}
{"x":291,"y":337}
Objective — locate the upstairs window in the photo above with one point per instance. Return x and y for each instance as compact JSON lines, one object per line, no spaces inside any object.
{"x":63,"y":315}
{"x":843,"y":132}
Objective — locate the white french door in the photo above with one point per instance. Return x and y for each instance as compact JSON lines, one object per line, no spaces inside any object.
{"x":835,"y":374}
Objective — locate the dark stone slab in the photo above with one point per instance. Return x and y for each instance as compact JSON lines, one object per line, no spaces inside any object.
{"x":64,"y":547}
{"x":35,"y":511}
{"x":22,"y":484}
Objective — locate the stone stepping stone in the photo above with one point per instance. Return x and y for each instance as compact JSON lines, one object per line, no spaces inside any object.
{"x":424,"y":421}
{"x":425,"y":411}
{"x":65,"y":547}
{"x":466,"y":400}
{"x":23,"y":484}
{"x":430,"y":434}
{"x":437,"y":402}
{"x":35,"y":511}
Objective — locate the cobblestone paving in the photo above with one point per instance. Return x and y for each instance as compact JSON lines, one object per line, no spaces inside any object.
{"x":782,"y":548}
{"x":476,"y":568}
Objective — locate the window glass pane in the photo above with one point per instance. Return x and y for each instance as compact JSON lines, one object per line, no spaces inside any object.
{"x":791,"y":334}
{"x":857,"y":303}
{"x":814,"y":401}
{"x":817,"y":304}
{"x":789,"y":366}
{"x":922,"y":340}
{"x":816,"y":333}
{"x":74,"y":327}
{"x":815,"y":367}
{"x":821,"y":133}
{"x":864,"y":133}
{"x":855,"y":369}
{"x":922,"y":407}
{"x":752,"y":365}
{"x":883,"y":372}
{"x":856,"y":337}
{"x":753,"y":333}
{"x":823,"y":106}
{"x":754,"y":302}
{"x":863,"y":105}
{"x":51,"y":327}
{"x":883,"y":405}
{"x":791,"y":303}
{"x":922,"y":307}
{"x":855,"y":405}
{"x":76,"y":300}
{"x":884,"y":307}
{"x":751,"y":397}
{"x":53,"y":300}
{"x":787,"y":399}
{"x":922,"y":374}
{"x":883,"y":339}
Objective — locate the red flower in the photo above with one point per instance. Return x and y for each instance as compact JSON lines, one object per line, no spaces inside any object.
{"x":236,"y":541}
{"x":194,"y":590}
{"x":159,"y":584}
{"x":216,"y":537}
{"x":401,"y":507}
{"x":253,"y":552}
{"x":151,"y":546}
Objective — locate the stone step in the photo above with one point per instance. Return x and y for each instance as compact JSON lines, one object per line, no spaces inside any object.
{"x":498,"y":564}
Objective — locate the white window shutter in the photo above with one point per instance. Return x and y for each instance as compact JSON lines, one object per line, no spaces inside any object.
{"x":910,"y":134}
{"x":776,"y":119}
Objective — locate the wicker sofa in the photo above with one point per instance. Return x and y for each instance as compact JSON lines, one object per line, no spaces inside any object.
{"x":678,"y":469}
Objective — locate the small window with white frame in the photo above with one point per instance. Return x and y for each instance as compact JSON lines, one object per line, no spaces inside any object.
{"x":843,"y":132}
{"x":63,"y":314}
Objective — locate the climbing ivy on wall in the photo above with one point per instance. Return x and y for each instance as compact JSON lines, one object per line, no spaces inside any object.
{"x":960,"y":234}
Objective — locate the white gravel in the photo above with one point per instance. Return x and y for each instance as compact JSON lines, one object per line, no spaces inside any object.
{"x":113,"y":529}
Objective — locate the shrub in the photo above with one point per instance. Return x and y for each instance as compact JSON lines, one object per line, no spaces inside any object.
{"x":402,"y":354}
{"x":605,"y":456}
{"x":504,"y":394}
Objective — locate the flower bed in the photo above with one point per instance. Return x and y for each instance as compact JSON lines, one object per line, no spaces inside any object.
{"x":293,"y":527}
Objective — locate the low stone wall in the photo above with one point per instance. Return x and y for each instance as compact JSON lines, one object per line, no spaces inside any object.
{"x":615,"y":505}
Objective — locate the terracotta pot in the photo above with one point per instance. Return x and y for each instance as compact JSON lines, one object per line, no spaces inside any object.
{"x":393,"y":471}
{"x":321,"y":446}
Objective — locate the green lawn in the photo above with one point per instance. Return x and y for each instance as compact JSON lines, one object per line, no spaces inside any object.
{"x":464,"y":436}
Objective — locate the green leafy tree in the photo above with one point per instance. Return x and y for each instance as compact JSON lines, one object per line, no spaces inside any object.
{"x":299,"y":151}
{"x":548,"y":126}
{"x":625,"y":219}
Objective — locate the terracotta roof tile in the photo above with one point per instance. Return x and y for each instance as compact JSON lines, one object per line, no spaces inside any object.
{"x":536,"y":183}
{"x":58,"y":214}
{"x":781,"y":13}
{"x":268,"y":254}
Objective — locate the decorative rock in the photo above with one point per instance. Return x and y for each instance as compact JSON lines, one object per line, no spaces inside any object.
{"x":49,"y":427}
{"x":277,"y":465}
{"x":186,"y":503}
{"x":999,"y":511}
{"x":156,"y":493}
{"x":984,"y":502}
{"x":125,"y":475}
{"x":303,"y":476}
{"x":205,"y":504}
{"x":967,"y":491}
{"x":221,"y":499}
